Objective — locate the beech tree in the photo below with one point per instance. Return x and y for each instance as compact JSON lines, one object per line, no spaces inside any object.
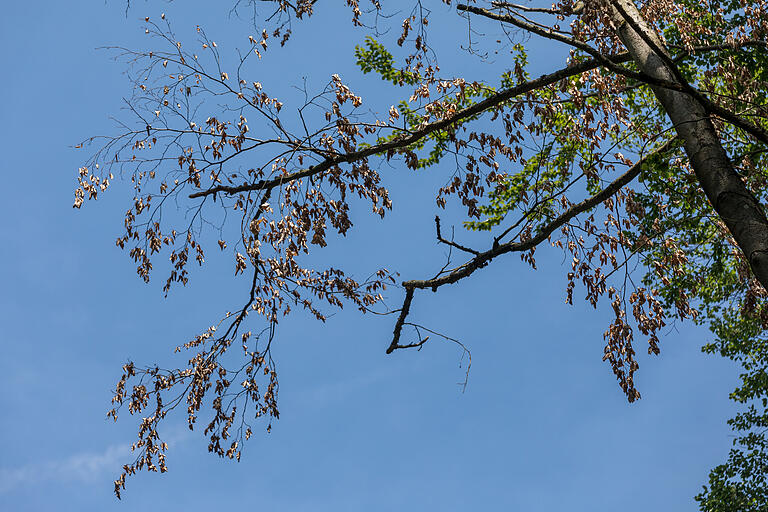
{"x":642,"y":158}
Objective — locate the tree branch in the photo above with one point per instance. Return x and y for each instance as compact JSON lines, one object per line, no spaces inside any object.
{"x":530,"y":27}
{"x":679,"y":84}
{"x":482,"y":259}
{"x":414,"y":136}
{"x":652,"y":40}
{"x":401,"y":320}
{"x":451,"y":243}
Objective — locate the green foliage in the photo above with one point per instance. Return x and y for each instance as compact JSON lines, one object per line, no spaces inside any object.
{"x":374,"y":57}
{"x":709,"y":274}
{"x":726,"y":306}
{"x":739,"y":484}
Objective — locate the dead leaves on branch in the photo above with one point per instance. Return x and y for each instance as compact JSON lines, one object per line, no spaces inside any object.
{"x":293,"y":180}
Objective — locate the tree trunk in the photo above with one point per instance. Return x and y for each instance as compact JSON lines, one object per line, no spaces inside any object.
{"x":735,"y":204}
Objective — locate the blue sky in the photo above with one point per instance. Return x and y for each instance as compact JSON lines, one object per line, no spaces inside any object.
{"x":542,"y":425}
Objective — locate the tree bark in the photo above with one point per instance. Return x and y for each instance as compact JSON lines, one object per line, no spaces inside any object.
{"x":735,"y":204}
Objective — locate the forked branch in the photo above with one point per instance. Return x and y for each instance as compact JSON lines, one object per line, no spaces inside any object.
{"x":412,"y":137}
{"x":482,"y":259}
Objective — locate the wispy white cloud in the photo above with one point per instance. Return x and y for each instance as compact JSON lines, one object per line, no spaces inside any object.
{"x":85,"y":467}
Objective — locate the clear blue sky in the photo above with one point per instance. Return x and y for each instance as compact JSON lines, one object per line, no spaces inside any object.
{"x":541,"y":427}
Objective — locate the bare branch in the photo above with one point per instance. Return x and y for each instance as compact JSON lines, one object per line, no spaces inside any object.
{"x":524,"y":8}
{"x":482,"y":259}
{"x":400,"y":320}
{"x":451,"y":242}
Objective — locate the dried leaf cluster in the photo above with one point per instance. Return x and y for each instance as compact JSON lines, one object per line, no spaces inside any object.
{"x":586,"y":158}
